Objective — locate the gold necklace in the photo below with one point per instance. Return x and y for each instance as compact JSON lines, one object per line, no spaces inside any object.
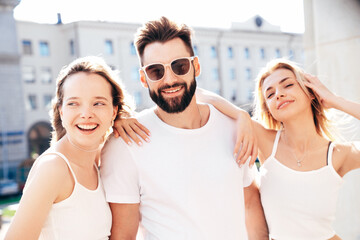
{"x":298,"y":160}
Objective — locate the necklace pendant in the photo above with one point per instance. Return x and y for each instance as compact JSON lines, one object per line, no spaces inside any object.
{"x":299,"y":163}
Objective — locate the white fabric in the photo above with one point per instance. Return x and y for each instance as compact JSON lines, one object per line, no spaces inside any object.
{"x":299,"y":205}
{"x":85,"y":214}
{"x":187,"y":181}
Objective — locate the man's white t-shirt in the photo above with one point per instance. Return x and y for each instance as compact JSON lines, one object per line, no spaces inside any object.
{"x":186,"y":180}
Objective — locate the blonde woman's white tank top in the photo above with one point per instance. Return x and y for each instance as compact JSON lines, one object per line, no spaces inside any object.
{"x":84,"y":215}
{"x":299,"y":205}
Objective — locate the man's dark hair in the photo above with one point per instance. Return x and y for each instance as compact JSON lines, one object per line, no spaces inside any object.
{"x":162,"y":30}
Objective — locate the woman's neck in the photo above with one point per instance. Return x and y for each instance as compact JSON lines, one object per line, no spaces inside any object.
{"x":81,"y":157}
{"x":301,"y":135}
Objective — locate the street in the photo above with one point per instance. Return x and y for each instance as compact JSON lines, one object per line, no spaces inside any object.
{"x":6,"y":220}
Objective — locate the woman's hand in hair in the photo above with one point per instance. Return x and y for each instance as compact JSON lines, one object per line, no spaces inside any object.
{"x":128,"y":127}
{"x":327,"y":98}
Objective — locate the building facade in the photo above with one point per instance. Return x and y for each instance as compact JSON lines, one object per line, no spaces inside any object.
{"x":230,"y":59}
{"x":12,"y":115}
{"x":332,"y":51}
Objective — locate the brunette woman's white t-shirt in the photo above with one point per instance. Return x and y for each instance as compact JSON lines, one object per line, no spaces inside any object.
{"x":186,"y":180}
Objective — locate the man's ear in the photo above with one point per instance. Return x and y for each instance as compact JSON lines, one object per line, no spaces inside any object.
{"x":143,"y":79}
{"x":196,"y":66}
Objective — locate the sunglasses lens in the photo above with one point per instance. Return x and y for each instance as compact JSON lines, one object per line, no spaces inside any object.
{"x":155,"y":71}
{"x":181,"y":66}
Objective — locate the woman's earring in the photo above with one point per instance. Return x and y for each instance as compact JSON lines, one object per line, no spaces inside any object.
{"x":112,"y":122}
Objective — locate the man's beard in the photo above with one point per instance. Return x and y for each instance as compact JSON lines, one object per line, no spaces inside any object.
{"x":176,"y":104}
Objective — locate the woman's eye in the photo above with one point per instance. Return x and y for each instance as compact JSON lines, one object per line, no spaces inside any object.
{"x":99,"y":104}
{"x":289,"y":85}
{"x":270,"y":95}
{"x":71,"y":104}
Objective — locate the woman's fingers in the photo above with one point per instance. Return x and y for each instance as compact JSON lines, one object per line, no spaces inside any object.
{"x":123,"y":135}
{"x":254,"y":154}
{"x":143,"y":129}
{"x":130,"y":128}
{"x":130,"y":131}
{"x":238,"y":147}
{"x":139,"y":131}
{"x":244,"y":149}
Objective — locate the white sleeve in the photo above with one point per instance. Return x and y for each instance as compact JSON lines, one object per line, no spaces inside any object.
{"x":248,"y":173}
{"x":119,"y":172}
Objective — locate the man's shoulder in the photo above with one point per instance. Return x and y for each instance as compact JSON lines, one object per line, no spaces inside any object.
{"x":145,"y":115}
{"x":219,"y":117}
{"x":114,"y":143}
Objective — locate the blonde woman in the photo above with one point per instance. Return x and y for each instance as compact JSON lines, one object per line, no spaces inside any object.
{"x":301,"y":168}
{"x":64,"y":197}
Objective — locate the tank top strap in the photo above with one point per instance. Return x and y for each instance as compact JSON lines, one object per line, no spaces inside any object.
{"x":276,"y":141}
{"x":329,"y":154}
{"x":62,"y":156}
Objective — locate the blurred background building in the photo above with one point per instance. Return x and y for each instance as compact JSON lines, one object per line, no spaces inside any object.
{"x":332,"y":51}
{"x":230,"y":60}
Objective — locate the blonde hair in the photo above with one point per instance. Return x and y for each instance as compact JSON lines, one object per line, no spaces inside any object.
{"x":91,"y":64}
{"x":262,"y":113}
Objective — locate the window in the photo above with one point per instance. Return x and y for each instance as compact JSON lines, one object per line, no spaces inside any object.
{"x":230,"y":52}
{"x":196,"y":51}
{"x":250,"y":94}
{"x":248,"y":74}
{"x":233,"y":96}
{"x":262,"y":53}
{"x":45,"y":75}
{"x":31,"y":103}
{"x":277,"y":53}
{"x":138,"y":98}
{"x":215,"y":74}
{"x":27,"y":48}
{"x":291,"y":54}
{"x":232,"y":73}
{"x":47,"y":101}
{"x":28,"y":74}
{"x":135,"y":75}
{"x":132,"y":49}
{"x":213,"y":52}
{"x":246,"y":53}
{"x":109,"y":50}
{"x":72,"y":47}
{"x":44,"y":49}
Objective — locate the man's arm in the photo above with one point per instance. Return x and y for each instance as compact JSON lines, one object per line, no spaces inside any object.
{"x":254,"y":214}
{"x":125,"y":221}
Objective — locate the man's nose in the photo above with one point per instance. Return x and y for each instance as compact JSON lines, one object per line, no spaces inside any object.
{"x":169,"y":75}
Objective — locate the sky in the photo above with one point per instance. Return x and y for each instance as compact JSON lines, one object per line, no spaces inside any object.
{"x":288,"y":14}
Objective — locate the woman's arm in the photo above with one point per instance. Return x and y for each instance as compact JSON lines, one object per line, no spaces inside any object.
{"x":42,"y":187}
{"x":351,"y":155}
{"x":246,"y":142}
{"x":330,"y":100}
